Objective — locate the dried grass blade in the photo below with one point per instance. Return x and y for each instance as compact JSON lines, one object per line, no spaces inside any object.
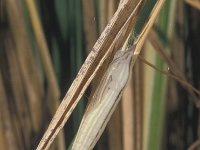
{"x":138,"y":100}
{"x":144,"y":33}
{"x":94,"y":120}
{"x":118,"y":43}
{"x":27,"y":63}
{"x":44,"y":54}
{"x":53,"y":93}
{"x":86,"y":74}
{"x":128,"y":116}
{"x":19,"y":99}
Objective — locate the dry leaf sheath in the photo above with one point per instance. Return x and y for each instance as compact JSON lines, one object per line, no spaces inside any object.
{"x":104,"y":101}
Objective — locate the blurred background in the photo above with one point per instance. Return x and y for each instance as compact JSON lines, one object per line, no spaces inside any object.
{"x":43,"y":44}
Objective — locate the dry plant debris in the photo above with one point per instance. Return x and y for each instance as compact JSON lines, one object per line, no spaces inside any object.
{"x":94,"y":60}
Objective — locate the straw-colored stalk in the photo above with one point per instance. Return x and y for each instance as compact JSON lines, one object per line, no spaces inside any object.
{"x":44,"y":54}
{"x":30,"y":75}
{"x":53,"y":93}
